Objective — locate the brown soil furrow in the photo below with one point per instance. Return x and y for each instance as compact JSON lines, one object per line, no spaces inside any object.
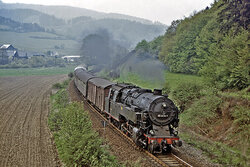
{"x":11,"y":91}
{"x":13,"y":127}
{"x":12,"y":107}
{"x":25,"y":139}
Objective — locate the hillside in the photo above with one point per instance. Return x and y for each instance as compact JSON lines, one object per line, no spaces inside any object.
{"x":31,"y":37}
{"x":39,"y":42}
{"x":77,"y":23}
{"x":72,"y":12}
{"x":10,"y":25}
{"x":207,"y":55}
{"x":213,"y":43}
{"x":32,"y":16}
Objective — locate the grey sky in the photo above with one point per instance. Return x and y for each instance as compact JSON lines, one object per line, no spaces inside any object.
{"x":164,"y":11}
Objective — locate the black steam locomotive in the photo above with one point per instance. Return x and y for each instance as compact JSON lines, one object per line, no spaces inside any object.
{"x":149,"y":118}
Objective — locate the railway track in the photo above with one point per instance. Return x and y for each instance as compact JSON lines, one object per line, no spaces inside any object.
{"x":168,"y":160}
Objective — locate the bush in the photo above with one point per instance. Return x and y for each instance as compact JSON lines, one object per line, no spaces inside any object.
{"x":70,"y":75}
{"x":241,"y":116}
{"x":202,"y":112}
{"x":218,"y":152}
{"x":166,"y":89}
{"x":61,"y":85}
{"x":57,"y":86}
{"x":77,"y":143}
{"x":185,"y":93}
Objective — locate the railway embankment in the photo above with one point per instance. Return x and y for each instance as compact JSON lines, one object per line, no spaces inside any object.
{"x":76,"y":141}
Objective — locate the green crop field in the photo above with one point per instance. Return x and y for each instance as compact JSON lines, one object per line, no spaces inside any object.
{"x":36,"y":71}
{"x":38,"y":42}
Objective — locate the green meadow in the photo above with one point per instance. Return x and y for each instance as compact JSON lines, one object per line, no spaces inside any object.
{"x":36,"y":71}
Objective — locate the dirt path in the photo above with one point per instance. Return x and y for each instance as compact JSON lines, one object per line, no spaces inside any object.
{"x":25,"y":139}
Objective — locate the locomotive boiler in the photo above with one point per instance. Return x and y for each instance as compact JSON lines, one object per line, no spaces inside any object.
{"x":148,"y":117}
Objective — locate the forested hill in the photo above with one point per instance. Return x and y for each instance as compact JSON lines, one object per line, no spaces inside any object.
{"x":7,"y":24}
{"x":213,"y":42}
{"x":77,"y":23}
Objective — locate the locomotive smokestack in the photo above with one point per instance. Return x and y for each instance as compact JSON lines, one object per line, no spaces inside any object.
{"x":157,"y":92}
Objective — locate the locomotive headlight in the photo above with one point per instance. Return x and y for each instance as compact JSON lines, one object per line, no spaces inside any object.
{"x":164,"y":105}
{"x":152,"y":132}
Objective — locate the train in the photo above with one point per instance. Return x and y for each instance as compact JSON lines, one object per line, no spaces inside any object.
{"x":148,"y":117}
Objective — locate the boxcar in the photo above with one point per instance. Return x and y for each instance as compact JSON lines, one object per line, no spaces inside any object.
{"x":81,"y":79}
{"x":98,"y":89}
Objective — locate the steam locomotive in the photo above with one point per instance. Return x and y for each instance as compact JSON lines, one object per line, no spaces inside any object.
{"x":148,"y":117}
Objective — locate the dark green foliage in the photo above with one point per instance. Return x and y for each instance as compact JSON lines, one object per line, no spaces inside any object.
{"x":31,"y":16}
{"x":166,"y":89}
{"x":149,"y":49}
{"x":155,"y":45}
{"x":241,"y":117}
{"x":77,"y":143}
{"x":57,"y":86}
{"x":60,"y":98}
{"x":228,"y":66}
{"x":235,"y":13}
{"x":46,"y":61}
{"x":19,"y":27}
{"x":217,"y":152}
{"x":185,"y":93}
{"x":213,"y":43}
{"x":202,"y":112}
{"x":178,"y":50}
{"x":61,"y":85}
{"x":71,"y":75}
{"x":143,"y":45}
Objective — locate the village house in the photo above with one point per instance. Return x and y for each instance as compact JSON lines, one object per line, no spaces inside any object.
{"x":8,"y":53}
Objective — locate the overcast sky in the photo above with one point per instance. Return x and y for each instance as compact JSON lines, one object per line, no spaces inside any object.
{"x":164,"y":11}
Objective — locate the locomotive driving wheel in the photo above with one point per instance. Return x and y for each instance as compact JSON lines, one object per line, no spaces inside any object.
{"x":167,"y":149}
{"x":141,"y":142}
{"x":151,"y":148}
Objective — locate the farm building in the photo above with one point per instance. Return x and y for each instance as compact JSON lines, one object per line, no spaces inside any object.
{"x":8,"y":53}
{"x":4,"y":58}
{"x":72,"y":58}
{"x":7,"y":47}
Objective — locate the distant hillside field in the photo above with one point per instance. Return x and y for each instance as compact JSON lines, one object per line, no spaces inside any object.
{"x":72,"y":12}
{"x":36,"y":71}
{"x":77,"y":23}
{"x":39,"y":42}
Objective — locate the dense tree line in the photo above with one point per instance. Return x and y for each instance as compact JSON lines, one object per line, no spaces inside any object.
{"x":11,"y":25}
{"x":213,"y":42}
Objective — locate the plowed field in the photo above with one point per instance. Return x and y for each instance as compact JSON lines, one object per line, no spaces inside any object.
{"x":25,"y":139}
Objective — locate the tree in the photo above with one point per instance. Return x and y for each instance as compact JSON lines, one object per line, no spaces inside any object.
{"x":143,"y":45}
